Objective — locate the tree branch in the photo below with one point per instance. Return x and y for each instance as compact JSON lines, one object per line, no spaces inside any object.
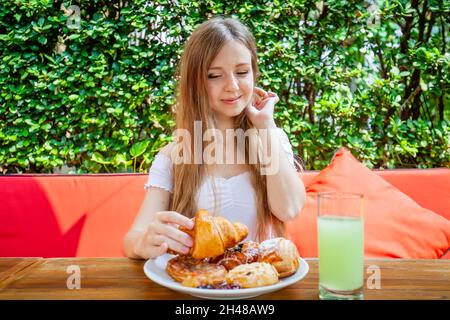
{"x":430,"y":27}
{"x":422,"y":20}
{"x":406,"y":29}
{"x":441,"y":97}
{"x":442,"y":30}
{"x":380,"y":57}
{"x":408,"y":101}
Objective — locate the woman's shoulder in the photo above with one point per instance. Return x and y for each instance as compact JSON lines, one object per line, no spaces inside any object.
{"x":168,"y":151}
{"x":161,"y":170}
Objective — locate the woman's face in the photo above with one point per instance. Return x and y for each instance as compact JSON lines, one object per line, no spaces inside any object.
{"x":230,"y":80}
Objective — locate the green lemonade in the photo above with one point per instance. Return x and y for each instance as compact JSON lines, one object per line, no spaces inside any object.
{"x":341,"y":252}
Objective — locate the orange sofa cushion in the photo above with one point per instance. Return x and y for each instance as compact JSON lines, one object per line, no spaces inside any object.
{"x":395,"y":225}
{"x":88,"y":215}
{"x":430,"y":188}
{"x":67,"y":216}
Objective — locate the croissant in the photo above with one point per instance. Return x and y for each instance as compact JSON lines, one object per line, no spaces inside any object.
{"x":213,"y":235}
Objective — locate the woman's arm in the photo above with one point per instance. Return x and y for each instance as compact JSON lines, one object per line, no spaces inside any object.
{"x":285,"y":190}
{"x":155,"y":229}
{"x":155,"y":200}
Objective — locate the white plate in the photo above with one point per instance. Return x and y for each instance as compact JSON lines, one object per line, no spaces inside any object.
{"x":155,"y":269}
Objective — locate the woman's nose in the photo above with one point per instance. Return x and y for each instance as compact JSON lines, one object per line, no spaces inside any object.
{"x":231,"y":83}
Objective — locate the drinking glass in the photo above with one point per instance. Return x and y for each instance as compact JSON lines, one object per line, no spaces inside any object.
{"x":341,"y":245}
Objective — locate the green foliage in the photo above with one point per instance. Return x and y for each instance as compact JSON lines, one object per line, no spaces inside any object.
{"x":99,"y":99}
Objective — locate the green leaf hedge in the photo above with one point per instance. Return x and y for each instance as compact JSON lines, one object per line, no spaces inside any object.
{"x":96,"y":94}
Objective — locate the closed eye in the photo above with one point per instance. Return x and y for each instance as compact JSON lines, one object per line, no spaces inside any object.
{"x":212,"y":76}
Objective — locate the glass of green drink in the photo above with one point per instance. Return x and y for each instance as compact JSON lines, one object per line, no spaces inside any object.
{"x":341,"y":245}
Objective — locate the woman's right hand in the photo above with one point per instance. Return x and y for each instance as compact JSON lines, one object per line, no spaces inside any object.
{"x":163,"y":234}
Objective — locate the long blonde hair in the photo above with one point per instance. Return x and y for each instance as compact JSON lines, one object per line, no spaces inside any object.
{"x":192,"y":105}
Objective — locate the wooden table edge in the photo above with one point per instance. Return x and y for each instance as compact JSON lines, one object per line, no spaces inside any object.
{"x":18,"y":271}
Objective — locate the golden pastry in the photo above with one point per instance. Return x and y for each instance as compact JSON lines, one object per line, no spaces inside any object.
{"x":243,"y":253}
{"x":281,"y":253}
{"x":253,"y":275}
{"x":213,"y":235}
{"x":191,"y":272}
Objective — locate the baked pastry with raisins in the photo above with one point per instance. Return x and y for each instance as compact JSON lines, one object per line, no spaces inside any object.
{"x":281,"y":253}
{"x":243,"y":253}
{"x":253,"y":275}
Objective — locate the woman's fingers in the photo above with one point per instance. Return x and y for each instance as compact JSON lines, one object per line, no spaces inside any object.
{"x":149,"y":249}
{"x":175,"y":234}
{"x":252,"y":111}
{"x":260,"y":96}
{"x":260,"y":92}
{"x":161,"y":249}
{"x":168,"y":222}
{"x":172,"y":244}
{"x":175,"y":217}
{"x":152,"y":252}
{"x":163,"y":234}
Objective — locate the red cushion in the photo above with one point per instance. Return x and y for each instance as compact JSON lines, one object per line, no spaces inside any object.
{"x":66,"y":216}
{"x":395,"y":225}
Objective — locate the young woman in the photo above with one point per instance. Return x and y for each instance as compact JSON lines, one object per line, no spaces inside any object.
{"x":216,"y":91}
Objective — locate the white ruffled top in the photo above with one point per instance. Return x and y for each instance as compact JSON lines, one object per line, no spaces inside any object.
{"x":235,"y":196}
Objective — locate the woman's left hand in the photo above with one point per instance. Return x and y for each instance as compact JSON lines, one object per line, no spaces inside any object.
{"x":260,"y":111}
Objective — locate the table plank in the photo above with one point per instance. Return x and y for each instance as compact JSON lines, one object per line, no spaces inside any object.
{"x":122,"y":278}
{"x":12,"y":269}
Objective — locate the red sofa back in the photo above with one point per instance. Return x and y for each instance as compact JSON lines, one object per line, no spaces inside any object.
{"x":88,"y":215}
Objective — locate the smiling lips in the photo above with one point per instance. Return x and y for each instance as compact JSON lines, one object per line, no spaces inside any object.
{"x":231,"y":101}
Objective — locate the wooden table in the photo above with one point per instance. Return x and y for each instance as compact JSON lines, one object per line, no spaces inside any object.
{"x":122,"y":278}
{"x":12,"y":269}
